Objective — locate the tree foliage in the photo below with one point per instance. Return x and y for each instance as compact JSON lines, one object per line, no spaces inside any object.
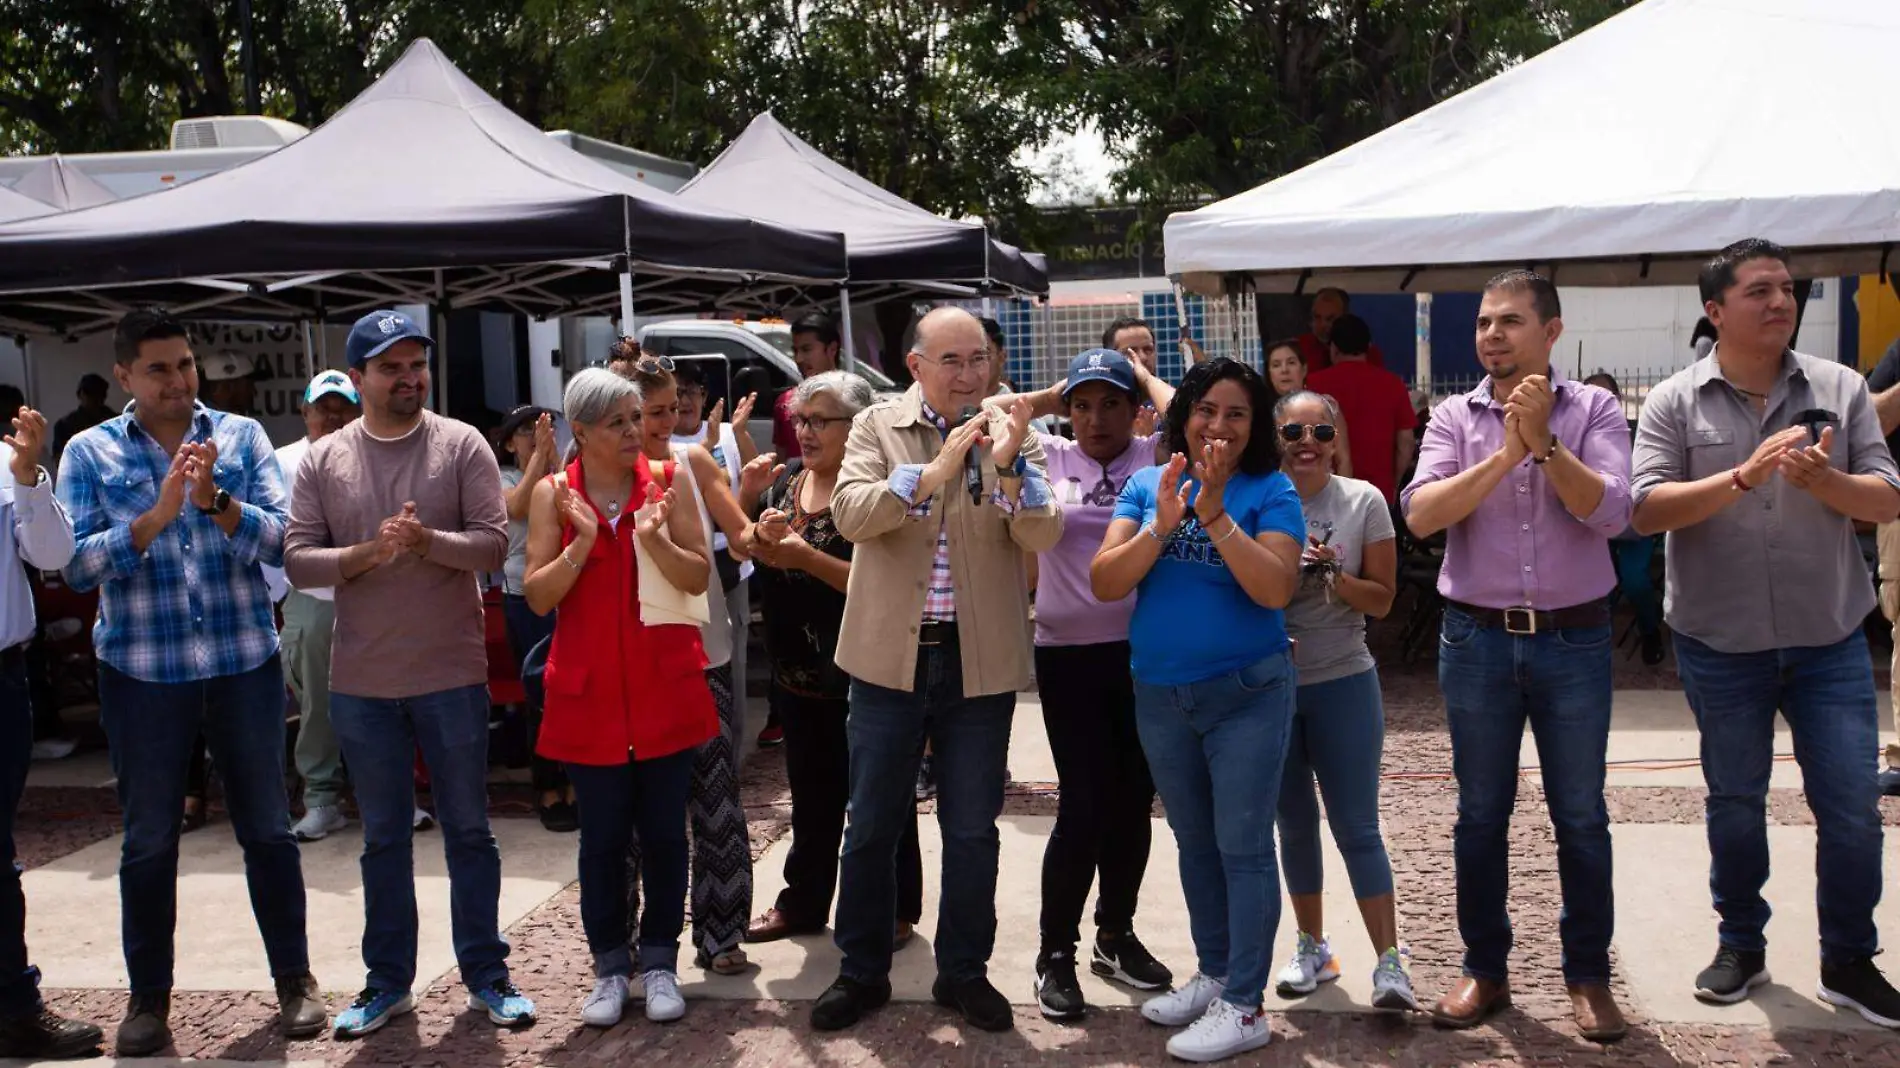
{"x":936,"y":100}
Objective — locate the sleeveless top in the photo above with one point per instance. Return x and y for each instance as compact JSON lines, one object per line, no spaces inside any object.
{"x":617,"y":689}
{"x":716,"y":635}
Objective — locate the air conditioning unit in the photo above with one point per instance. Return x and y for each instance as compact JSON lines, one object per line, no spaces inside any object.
{"x":234,"y":131}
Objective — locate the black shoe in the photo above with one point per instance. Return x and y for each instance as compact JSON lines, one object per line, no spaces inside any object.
{"x":1123,"y":959}
{"x":1653,"y":649}
{"x":46,"y":1035}
{"x":926,"y":780}
{"x":846,"y":1001}
{"x":982,"y":1005}
{"x":1861,"y":987}
{"x":300,"y":1006}
{"x":560,"y":817}
{"x":1058,"y":995}
{"x":1890,"y":782}
{"x":1733,"y":974}
{"x":146,"y":1028}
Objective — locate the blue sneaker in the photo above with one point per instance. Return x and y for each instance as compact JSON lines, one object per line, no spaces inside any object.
{"x":372,"y":1009}
{"x":506,"y":1006}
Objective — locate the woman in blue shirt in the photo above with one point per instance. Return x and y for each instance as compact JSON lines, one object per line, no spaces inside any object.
{"x":1215,"y":555}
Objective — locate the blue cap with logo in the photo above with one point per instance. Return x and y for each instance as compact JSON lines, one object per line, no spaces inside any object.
{"x":378,"y":330}
{"x":331,"y":382}
{"x":1101,"y":365}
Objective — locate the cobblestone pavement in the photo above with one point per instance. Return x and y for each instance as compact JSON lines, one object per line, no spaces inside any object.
{"x":550,"y":957}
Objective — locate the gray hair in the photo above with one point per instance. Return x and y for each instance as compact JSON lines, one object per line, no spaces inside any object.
{"x":1301,"y":396}
{"x":592,"y":393}
{"x":854,"y":394}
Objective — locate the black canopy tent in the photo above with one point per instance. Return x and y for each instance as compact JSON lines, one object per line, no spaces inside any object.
{"x":423,"y":190}
{"x":894,"y":247}
{"x":64,"y":186}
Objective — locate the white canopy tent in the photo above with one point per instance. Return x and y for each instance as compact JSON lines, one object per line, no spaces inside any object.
{"x":1623,"y":156}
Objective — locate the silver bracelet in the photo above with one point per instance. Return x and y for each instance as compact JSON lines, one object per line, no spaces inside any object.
{"x":568,"y":560}
{"x":1150,"y":530}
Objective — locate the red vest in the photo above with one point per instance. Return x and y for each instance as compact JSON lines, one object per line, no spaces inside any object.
{"x":616,"y":688}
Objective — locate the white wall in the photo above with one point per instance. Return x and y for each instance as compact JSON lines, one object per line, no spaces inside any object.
{"x":1648,"y":328}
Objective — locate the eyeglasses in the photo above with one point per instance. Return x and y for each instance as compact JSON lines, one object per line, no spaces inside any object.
{"x":978,"y":362}
{"x":1293,"y":432}
{"x":818,"y":423}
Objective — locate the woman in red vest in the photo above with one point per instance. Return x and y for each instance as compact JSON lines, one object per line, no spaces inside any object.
{"x":627,"y":703}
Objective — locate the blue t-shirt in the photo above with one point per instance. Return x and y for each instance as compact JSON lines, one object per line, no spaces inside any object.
{"x":1193,"y":622}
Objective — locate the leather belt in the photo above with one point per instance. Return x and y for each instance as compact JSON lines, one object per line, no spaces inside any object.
{"x":937,"y":632}
{"x":1533,"y":621}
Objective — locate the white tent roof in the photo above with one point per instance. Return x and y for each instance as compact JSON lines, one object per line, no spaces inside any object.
{"x":1623,"y":156}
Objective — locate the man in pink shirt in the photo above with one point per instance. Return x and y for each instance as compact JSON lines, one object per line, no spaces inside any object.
{"x":1528,"y":475}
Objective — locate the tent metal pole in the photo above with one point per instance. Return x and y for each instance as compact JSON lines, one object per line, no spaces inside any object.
{"x":1422,"y":366}
{"x":844,"y":320}
{"x":310,"y":350}
{"x":626,"y":302}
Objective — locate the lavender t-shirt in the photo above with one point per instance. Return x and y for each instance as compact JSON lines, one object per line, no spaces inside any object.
{"x":1067,"y":612}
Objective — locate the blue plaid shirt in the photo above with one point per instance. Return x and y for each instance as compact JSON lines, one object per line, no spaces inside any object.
{"x":193,"y":605}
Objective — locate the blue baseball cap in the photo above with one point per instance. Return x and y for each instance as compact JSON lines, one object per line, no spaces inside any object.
{"x":378,"y":330}
{"x":329,"y":382}
{"x":1101,"y":365}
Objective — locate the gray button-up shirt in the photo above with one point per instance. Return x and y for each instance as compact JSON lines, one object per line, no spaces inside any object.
{"x":1777,"y":569}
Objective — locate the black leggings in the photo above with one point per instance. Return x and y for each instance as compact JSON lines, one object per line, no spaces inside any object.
{"x":1102,"y":820}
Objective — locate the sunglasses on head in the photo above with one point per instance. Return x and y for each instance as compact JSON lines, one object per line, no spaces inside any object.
{"x":1295,"y":431}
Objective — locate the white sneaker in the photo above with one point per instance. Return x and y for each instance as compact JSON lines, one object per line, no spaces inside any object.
{"x":1222,"y":1031}
{"x":1312,"y":964}
{"x":422,"y":820}
{"x":603,"y":1007}
{"x":1185,"y":1003}
{"x":1392,"y":982}
{"x":318,"y":823}
{"x":664,"y":1002}
{"x":54,"y":748}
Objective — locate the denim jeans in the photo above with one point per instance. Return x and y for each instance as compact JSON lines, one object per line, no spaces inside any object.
{"x":1826,"y":693}
{"x":19,"y":980}
{"x":151,"y":728}
{"x":380,"y":737}
{"x":616,"y":801}
{"x":1338,"y":739}
{"x":1558,"y":681}
{"x":1216,"y":749}
{"x":969,"y":744}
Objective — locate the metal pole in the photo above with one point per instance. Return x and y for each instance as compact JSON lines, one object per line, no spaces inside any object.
{"x":248,"y":36}
{"x":1422,"y":366}
{"x":844,"y":322}
{"x":626,"y":302}
{"x":309,"y":350}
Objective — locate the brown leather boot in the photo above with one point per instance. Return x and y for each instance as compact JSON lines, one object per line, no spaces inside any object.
{"x":1470,"y":1002}
{"x":1598,"y":1018}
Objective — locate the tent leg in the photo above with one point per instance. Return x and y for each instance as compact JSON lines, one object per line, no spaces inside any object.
{"x":844,"y":322}
{"x":626,"y":303}
{"x":310,"y":350}
{"x":1422,"y":362}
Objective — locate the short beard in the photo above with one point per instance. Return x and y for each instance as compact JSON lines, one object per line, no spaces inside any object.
{"x":1503,"y":371}
{"x":405,"y":405}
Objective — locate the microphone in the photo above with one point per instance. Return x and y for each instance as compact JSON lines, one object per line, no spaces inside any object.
{"x":972,"y":471}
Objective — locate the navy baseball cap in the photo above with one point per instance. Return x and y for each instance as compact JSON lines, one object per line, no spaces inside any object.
{"x":1101,"y":365}
{"x":378,"y":330}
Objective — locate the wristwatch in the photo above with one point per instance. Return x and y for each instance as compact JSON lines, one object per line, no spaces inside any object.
{"x":219,"y":504}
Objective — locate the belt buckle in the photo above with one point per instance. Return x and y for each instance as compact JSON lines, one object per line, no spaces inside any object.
{"x":1528,"y":615}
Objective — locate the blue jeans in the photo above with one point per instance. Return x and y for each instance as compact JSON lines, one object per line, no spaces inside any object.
{"x":1558,"y":681}
{"x":151,"y":728}
{"x":1216,"y":749}
{"x":617,"y":800}
{"x":19,"y":980}
{"x":380,"y":737}
{"x":1338,"y":738}
{"x":969,"y":745}
{"x":1826,"y":693}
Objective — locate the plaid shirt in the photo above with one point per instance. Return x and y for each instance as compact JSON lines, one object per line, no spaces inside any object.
{"x":940,"y":597}
{"x":193,"y":605}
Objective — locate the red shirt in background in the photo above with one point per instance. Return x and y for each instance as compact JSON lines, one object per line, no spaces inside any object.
{"x":1377,"y":405}
{"x":784,"y":434}
{"x":1319,"y":355}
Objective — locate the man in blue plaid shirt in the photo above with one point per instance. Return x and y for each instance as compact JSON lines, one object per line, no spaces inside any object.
{"x":174,"y":509}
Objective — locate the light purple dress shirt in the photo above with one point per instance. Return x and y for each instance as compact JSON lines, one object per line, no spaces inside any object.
{"x":1522,"y":548}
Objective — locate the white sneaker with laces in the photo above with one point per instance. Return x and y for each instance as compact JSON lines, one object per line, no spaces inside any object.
{"x":1224,"y":1030}
{"x":1312,"y":964}
{"x":664,"y":1001}
{"x":1392,"y":982}
{"x":604,"y":1006}
{"x":318,"y":823}
{"x":1185,"y":1003}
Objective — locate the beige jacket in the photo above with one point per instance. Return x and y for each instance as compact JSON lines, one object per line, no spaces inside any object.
{"x":890,"y":564}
